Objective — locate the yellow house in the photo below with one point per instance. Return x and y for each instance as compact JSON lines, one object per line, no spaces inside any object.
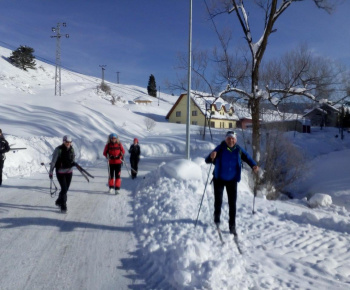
{"x":214,"y":111}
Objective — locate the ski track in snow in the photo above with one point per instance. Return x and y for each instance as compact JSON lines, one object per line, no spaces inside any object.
{"x":58,"y":250}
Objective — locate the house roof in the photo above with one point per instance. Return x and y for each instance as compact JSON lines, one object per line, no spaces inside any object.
{"x":323,"y":109}
{"x":142,"y":99}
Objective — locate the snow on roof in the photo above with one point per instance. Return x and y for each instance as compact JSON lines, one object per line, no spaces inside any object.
{"x":204,"y":104}
{"x":143,"y":98}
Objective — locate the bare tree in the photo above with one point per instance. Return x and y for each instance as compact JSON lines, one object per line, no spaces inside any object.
{"x":254,"y":94}
{"x":283,"y":163}
{"x":150,"y":123}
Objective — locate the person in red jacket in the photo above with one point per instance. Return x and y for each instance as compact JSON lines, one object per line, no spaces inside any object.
{"x":114,"y":152}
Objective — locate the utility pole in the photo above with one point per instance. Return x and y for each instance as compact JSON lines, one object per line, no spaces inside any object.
{"x":102,"y":66}
{"x":189,"y":85}
{"x":58,"y":56}
{"x":117,"y":77}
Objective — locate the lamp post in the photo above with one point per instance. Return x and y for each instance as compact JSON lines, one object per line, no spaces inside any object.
{"x":102,"y":66}
{"x":189,"y":85}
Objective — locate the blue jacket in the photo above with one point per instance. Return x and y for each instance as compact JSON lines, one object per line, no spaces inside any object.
{"x":228,"y":162}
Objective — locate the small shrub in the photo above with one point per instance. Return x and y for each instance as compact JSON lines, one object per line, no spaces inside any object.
{"x":150,"y":124}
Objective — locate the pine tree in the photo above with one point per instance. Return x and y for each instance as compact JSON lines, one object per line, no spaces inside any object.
{"x":23,"y":57}
{"x":152,"y":87}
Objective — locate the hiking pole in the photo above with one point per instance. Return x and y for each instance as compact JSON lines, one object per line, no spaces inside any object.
{"x":255,"y":190}
{"x":203,"y":194}
{"x":52,"y":193}
{"x":123,"y":161}
{"x":109,"y":173}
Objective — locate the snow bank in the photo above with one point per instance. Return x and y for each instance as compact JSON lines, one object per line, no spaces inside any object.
{"x":182,"y":169}
{"x":320,"y":199}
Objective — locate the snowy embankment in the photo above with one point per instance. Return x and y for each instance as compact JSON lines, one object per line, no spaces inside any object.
{"x":286,"y":244}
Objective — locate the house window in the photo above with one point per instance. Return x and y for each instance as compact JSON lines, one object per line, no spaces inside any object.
{"x":194,"y":113}
{"x":230,"y":125}
{"x":212,"y":124}
{"x":194,"y":123}
{"x":178,"y":114}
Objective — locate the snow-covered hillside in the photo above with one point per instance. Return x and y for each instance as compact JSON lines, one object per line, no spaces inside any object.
{"x":145,"y":237}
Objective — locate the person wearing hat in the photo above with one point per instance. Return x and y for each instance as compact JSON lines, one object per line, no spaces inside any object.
{"x":135,"y":152}
{"x":4,"y":148}
{"x":227,"y":158}
{"x":63,"y":160}
{"x":114,"y":152}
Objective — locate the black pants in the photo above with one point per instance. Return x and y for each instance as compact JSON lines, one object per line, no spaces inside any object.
{"x":134,"y":163}
{"x":64,"y":181}
{"x":1,"y":167}
{"x":114,"y":175}
{"x":231,"y":189}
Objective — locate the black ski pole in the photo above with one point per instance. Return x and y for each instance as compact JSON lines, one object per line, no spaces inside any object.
{"x":255,"y":191}
{"x":203,"y":195}
{"x":52,"y":193}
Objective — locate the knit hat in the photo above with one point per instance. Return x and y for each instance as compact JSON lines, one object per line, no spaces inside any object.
{"x":137,"y":140}
{"x":67,"y":138}
{"x":231,"y":134}
{"x":113,"y":135}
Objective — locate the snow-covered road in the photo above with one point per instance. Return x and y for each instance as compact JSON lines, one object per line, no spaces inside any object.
{"x":82,"y":249}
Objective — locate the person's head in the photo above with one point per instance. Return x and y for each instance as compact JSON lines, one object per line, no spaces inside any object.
{"x":0,"y":132}
{"x":67,"y":140}
{"x":231,"y":138}
{"x":136,"y":141}
{"x":113,"y":138}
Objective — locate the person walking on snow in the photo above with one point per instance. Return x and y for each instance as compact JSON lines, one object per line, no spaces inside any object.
{"x":4,"y":148}
{"x":227,"y":158}
{"x":114,"y":152}
{"x":135,"y":152}
{"x":63,"y":159}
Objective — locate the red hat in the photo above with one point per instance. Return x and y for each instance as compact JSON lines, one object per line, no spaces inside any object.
{"x":137,"y":140}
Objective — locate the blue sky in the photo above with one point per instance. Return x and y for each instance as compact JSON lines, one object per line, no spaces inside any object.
{"x":137,"y":38}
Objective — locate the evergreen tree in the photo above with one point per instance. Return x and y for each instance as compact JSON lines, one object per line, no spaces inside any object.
{"x":152,"y":87}
{"x":23,"y":57}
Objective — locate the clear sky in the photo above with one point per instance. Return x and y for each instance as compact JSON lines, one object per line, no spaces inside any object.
{"x":137,"y":38}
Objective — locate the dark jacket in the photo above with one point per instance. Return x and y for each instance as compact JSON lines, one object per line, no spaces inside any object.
{"x":135,"y":152}
{"x":228,"y":162}
{"x":4,"y":147}
{"x":63,"y":159}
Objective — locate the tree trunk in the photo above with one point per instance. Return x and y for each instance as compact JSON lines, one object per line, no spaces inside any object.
{"x":255,"y":107}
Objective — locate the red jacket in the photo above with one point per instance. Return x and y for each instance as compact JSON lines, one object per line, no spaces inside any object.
{"x":114,"y":152}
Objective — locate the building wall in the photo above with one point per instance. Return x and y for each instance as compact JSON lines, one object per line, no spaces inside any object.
{"x":197,"y":117}
{"x":181,"y":109}
{"x":223,"y":124}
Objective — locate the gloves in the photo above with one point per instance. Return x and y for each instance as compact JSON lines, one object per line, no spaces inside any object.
{"x":50,"y":175}
{"x":73,"y":164}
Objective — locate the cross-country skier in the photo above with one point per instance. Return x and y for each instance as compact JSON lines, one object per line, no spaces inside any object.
{"x":227,"y":158}
{"x":135,"y":152}
{"x":63,"y":159}
{"x":4,"y":148}
{"x":114,"y":152}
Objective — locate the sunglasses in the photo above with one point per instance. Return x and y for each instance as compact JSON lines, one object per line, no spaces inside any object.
{"x":68,"y":142}
{"x":113,"y":138}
